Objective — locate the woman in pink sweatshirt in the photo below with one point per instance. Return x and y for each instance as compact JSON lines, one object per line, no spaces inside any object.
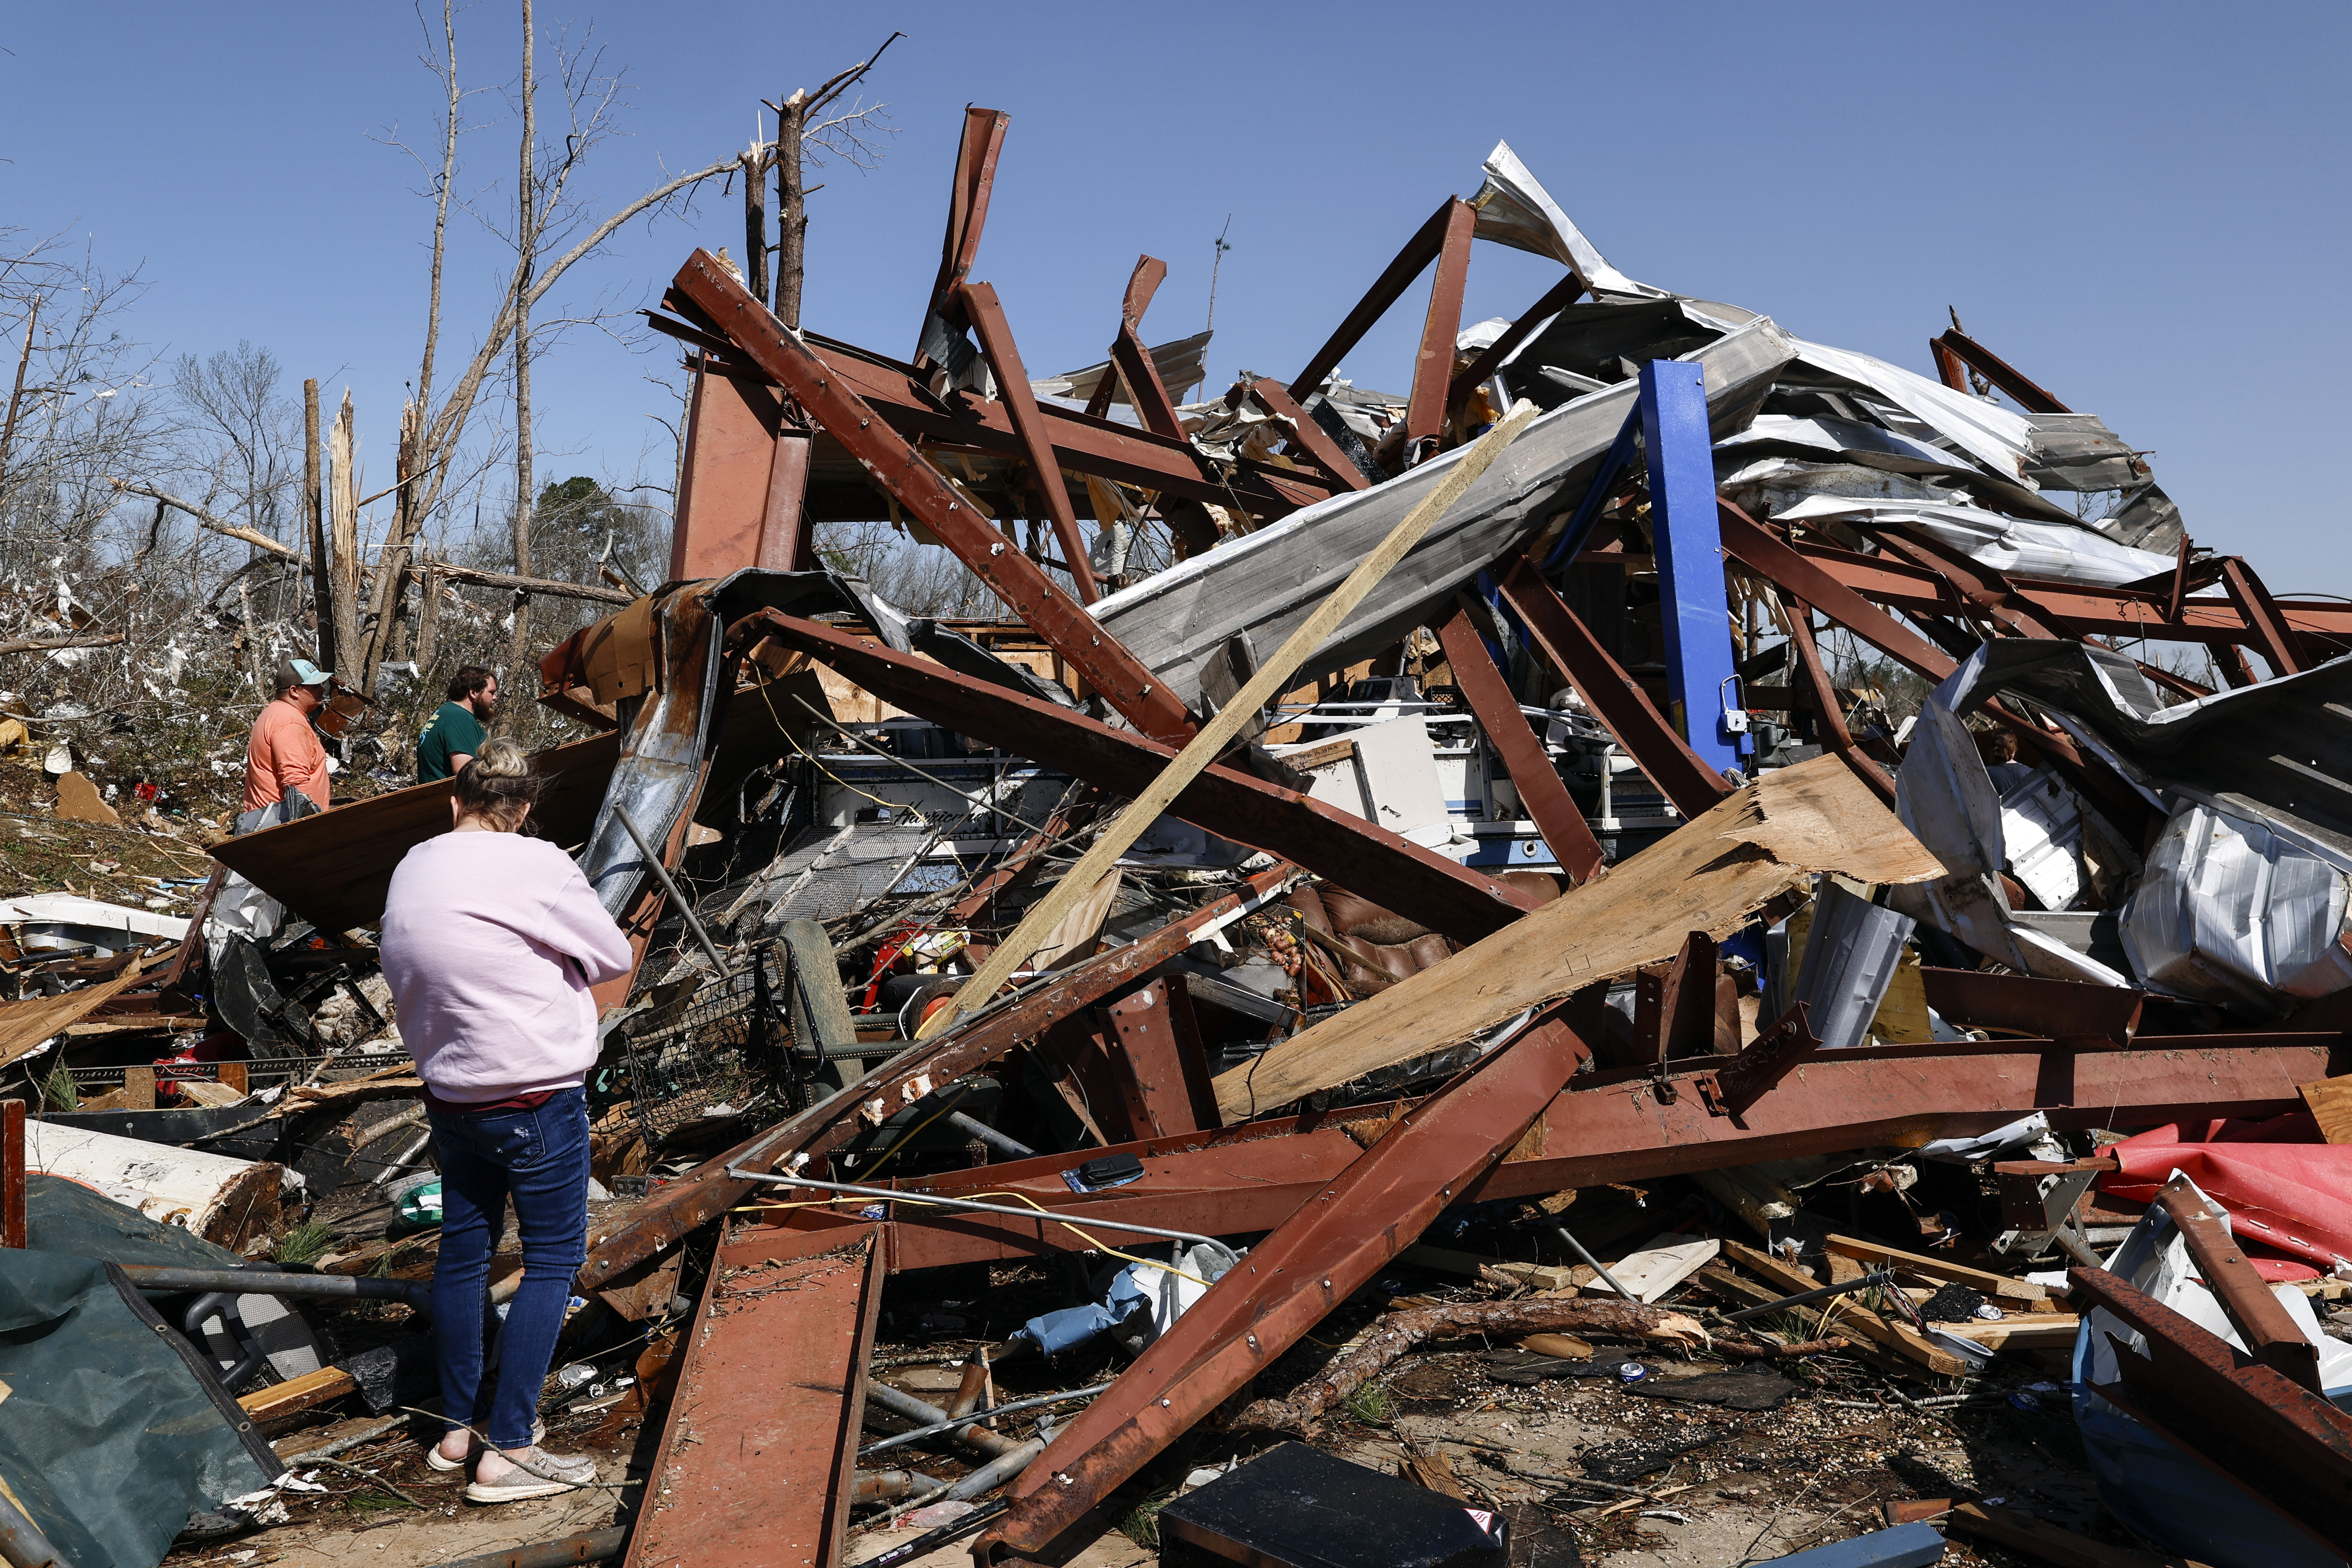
{"x":491,"y":941}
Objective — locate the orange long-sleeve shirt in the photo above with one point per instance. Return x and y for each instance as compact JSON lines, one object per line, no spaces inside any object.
{"x":284,"y":753}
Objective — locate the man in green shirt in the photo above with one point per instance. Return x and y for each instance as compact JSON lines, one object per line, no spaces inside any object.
{"x":458,"y":729}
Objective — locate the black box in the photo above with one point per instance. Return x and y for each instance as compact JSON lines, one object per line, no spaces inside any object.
{"x":1297,"y":1507}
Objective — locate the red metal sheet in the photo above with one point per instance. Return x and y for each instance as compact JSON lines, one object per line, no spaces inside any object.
{"x":755,"y":1460}
{"x":722,"y":494}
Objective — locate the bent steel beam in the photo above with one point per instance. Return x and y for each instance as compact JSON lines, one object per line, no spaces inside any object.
{"x":1994,"y":369}
{"x":1132,"y":361}
{"x":1368,"y":859}
{"x":1275,"y":398}
{"x":982,"y":308}
{"x":927,"y":495}
{"x":2286,"y":1447}
{"x":1614,"y":695}
{"x":1290,"y":1283}
{"x":1822,"y":694}
{"x":1433,"y":365}
{"x":1386,"y":290}
{"x":1557,"y":816}
{"x":974,"y":183}
{"x":1614,"y":1125}
{"x":1556,"y":299}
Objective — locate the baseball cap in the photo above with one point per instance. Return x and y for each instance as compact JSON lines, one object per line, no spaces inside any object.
{"x":302,"y":673}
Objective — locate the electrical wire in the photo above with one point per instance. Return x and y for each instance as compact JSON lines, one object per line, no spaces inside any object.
{"x":1094,"y":1242}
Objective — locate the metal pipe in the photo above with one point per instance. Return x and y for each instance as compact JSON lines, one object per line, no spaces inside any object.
{"x":167,"y":1280}
{"x":881,"y":1486}
{"x":990,"y":1135}
{"x":22,"y":1542}
{"x":967,"y":1431}
{"x":593,"y":1546}
{"x":997,"y":1471}
{"x":1876,"y":1278}
{"x":948,"y":1423}
{"x":968,"y":1206}
{"x":661,"y":875}
{"x":399,"y":1163}
{"x":1591,"y":1262}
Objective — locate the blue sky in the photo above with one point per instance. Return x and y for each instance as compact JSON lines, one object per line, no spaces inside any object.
{"x":2143,"y":207}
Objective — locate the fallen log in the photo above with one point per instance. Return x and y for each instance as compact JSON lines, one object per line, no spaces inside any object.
{"x":1400,"y":1331}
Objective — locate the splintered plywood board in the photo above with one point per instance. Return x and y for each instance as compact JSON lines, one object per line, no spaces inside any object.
{"x":1709,"y":875}
{"x":1664,"y":1263}
{"x":2330,"y":1100}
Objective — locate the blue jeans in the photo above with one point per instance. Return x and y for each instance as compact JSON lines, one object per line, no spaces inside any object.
{"x":540,"y":1159}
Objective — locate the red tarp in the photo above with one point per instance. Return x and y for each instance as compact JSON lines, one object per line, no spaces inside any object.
{"x":2283,"y":1186}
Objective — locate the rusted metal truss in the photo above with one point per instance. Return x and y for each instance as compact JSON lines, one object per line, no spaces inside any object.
{"x":2287,"y":1448}
{"x":929,"y":497}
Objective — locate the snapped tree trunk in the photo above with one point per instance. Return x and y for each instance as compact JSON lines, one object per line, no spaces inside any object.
{"x":527,"y":239}
{"x":755,"y":222}
{"x":314,"y":512}
{"x":792,"y":202}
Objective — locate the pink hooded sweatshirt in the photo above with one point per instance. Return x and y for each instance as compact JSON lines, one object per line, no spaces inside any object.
{"x":490,"y":943}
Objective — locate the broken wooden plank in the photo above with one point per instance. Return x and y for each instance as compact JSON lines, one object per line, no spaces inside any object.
{"x":2330,"y":1100}
{"x":1877,"y":1257}
{"x":1848,"y":1315}
{"x":2021,"y":1331}
{"x":298,"y":1394}
{"x":1709,"y":875}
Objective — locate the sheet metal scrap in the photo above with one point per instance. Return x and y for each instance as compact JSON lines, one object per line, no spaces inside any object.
{"x":2286,"y":1447}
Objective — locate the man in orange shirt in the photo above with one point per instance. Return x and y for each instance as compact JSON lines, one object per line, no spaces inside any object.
{"x":284,"y":753}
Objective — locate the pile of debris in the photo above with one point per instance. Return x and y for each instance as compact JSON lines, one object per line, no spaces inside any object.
{"x":1439,"y":1026}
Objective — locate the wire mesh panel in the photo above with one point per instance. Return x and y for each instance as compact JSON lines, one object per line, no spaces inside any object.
{"x":724,"y":1050}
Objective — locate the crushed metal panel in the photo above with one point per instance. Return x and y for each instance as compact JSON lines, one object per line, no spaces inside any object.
{"x":1944,"y":795}
{"x":1266,"y":583}
{"x":334,"y":867}
{"x":2279,"y":751}
{"x":2227,"y":911}
{"x":2059,"y":552}
{"x":1417,"y":883}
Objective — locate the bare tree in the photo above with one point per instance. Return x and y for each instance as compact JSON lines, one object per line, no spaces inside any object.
{"x":549,"y":217}
{"x":526,"y":252}
{"x":806,"y":137}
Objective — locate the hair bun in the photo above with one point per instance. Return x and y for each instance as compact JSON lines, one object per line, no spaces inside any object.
{"x":501,"y":759}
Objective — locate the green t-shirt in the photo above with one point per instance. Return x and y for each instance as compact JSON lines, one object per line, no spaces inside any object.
{"x":454,"y":733}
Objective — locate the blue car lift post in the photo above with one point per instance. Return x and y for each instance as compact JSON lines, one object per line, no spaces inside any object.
{"x":1702,"y":687}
